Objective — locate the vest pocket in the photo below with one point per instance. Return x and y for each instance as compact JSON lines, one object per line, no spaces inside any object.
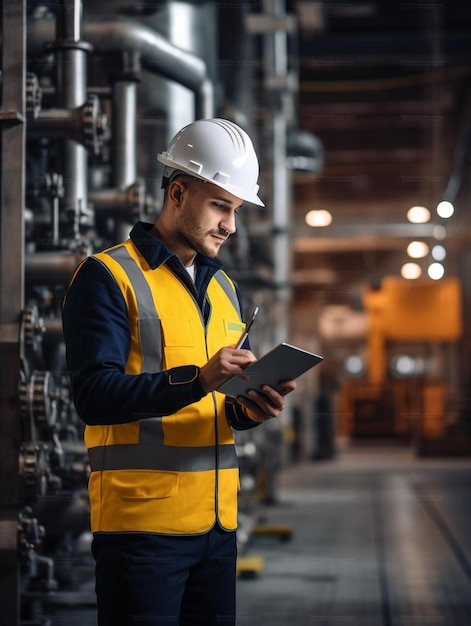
{"x":177,"y":332}
{"x":144,"y":485}
{"x":178,"y":342}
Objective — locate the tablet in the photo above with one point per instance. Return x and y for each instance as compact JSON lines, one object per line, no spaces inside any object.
{"x":285,"y":362}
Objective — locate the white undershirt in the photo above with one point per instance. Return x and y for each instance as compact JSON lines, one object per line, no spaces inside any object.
{"x":191,"y":269}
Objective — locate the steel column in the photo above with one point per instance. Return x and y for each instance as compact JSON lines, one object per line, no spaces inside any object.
{"x":12,"y":184}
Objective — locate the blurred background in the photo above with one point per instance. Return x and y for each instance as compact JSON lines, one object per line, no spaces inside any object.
{"x":360,"y":113}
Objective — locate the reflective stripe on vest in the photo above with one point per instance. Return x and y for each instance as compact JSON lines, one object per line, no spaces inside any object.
{"x":166,"y":458}
{"x":228,"y":287}
{"x":150,"y":340}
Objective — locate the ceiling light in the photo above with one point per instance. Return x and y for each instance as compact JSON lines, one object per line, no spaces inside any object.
{"x":354,"y":365}
{"x":417,"y":249}
{"x":405,"y":366}
{"x":445,"y":209}
{"x":411,"y":271}
{"x":438,"y":252}
{"x":319,"y":218}
{"x":418,"y":215}
{"x":436,"y":271}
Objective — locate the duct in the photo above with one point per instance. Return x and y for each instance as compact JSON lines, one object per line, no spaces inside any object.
{"x":113,"y":34}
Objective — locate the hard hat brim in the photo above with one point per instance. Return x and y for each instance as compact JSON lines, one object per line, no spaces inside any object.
{"x":235,"y":191}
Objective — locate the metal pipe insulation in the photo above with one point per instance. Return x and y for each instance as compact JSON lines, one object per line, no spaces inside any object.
{"x":50,"y":268}
{"x":69,"y":21}
{"x":109,"y":201}
{"x":124,"y":133}
{"x":114,"y":34}
{"x":71,"y":93}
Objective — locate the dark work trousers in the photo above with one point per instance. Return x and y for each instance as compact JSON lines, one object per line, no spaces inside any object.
{"x":155,"y":580}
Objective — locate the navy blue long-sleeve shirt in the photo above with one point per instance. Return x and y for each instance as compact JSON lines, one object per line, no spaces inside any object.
{"x":97,"y":338}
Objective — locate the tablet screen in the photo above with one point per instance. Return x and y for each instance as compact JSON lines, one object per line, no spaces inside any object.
{"x":285,"y":362}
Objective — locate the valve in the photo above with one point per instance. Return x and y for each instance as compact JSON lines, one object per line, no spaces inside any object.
{"x":94,"y":123}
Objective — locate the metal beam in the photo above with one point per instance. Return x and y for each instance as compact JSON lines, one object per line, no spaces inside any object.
{"x":12,"y":147}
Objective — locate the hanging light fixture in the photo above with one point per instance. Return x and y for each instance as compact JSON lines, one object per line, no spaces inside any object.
{"x":411,"y":271}
{"x":318,"y":218}
{"x":417,"y":249}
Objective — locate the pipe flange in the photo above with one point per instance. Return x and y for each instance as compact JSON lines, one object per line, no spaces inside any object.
{"x":34,"y":96}
{"x":66,"y":44}
{"x":136,"y":199}
{"x":94,"y":123}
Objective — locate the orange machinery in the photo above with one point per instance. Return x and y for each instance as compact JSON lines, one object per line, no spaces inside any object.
{"x":407,"y":389}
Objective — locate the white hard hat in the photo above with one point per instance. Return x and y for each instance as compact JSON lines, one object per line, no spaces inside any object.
{"x":218,"y":151}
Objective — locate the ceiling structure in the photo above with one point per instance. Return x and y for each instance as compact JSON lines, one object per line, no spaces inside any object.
{"x":386,"y":87}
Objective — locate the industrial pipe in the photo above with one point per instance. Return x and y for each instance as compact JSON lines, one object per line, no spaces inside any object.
{"x":71,"y":93}
{"x":52,"y":267}
{"x":114,"y":34}
{"x":128,"y":204}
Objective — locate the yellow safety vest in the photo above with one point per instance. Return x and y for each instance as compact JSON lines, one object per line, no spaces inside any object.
{"x":177,"y":473}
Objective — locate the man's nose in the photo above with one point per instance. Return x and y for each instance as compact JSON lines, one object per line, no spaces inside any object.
{"x":228,"y":224}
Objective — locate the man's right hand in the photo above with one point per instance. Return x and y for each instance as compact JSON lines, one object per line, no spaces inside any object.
{"x":225,"y":363}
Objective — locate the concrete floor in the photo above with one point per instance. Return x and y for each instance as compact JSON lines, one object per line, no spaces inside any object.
{"x":379,"y":538}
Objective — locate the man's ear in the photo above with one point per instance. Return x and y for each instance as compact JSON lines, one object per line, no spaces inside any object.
{"x":175,"y":191}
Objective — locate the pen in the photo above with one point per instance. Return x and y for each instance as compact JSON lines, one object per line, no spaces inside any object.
{"x":245,"y":334}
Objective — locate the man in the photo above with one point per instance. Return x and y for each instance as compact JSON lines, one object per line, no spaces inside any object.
{"x":149,"y":327}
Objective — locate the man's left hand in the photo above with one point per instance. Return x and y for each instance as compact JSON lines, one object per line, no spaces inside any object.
{"x":267,"y":403}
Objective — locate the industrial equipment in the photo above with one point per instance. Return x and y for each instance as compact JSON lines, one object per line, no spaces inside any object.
{"x":91,"y":92}
{"x":402,"y":385}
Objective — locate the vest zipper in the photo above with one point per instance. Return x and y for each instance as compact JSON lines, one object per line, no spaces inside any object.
{"x":216,"y":416}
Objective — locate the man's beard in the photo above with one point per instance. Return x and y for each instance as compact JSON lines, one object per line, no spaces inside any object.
{"x":194,"y":238}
